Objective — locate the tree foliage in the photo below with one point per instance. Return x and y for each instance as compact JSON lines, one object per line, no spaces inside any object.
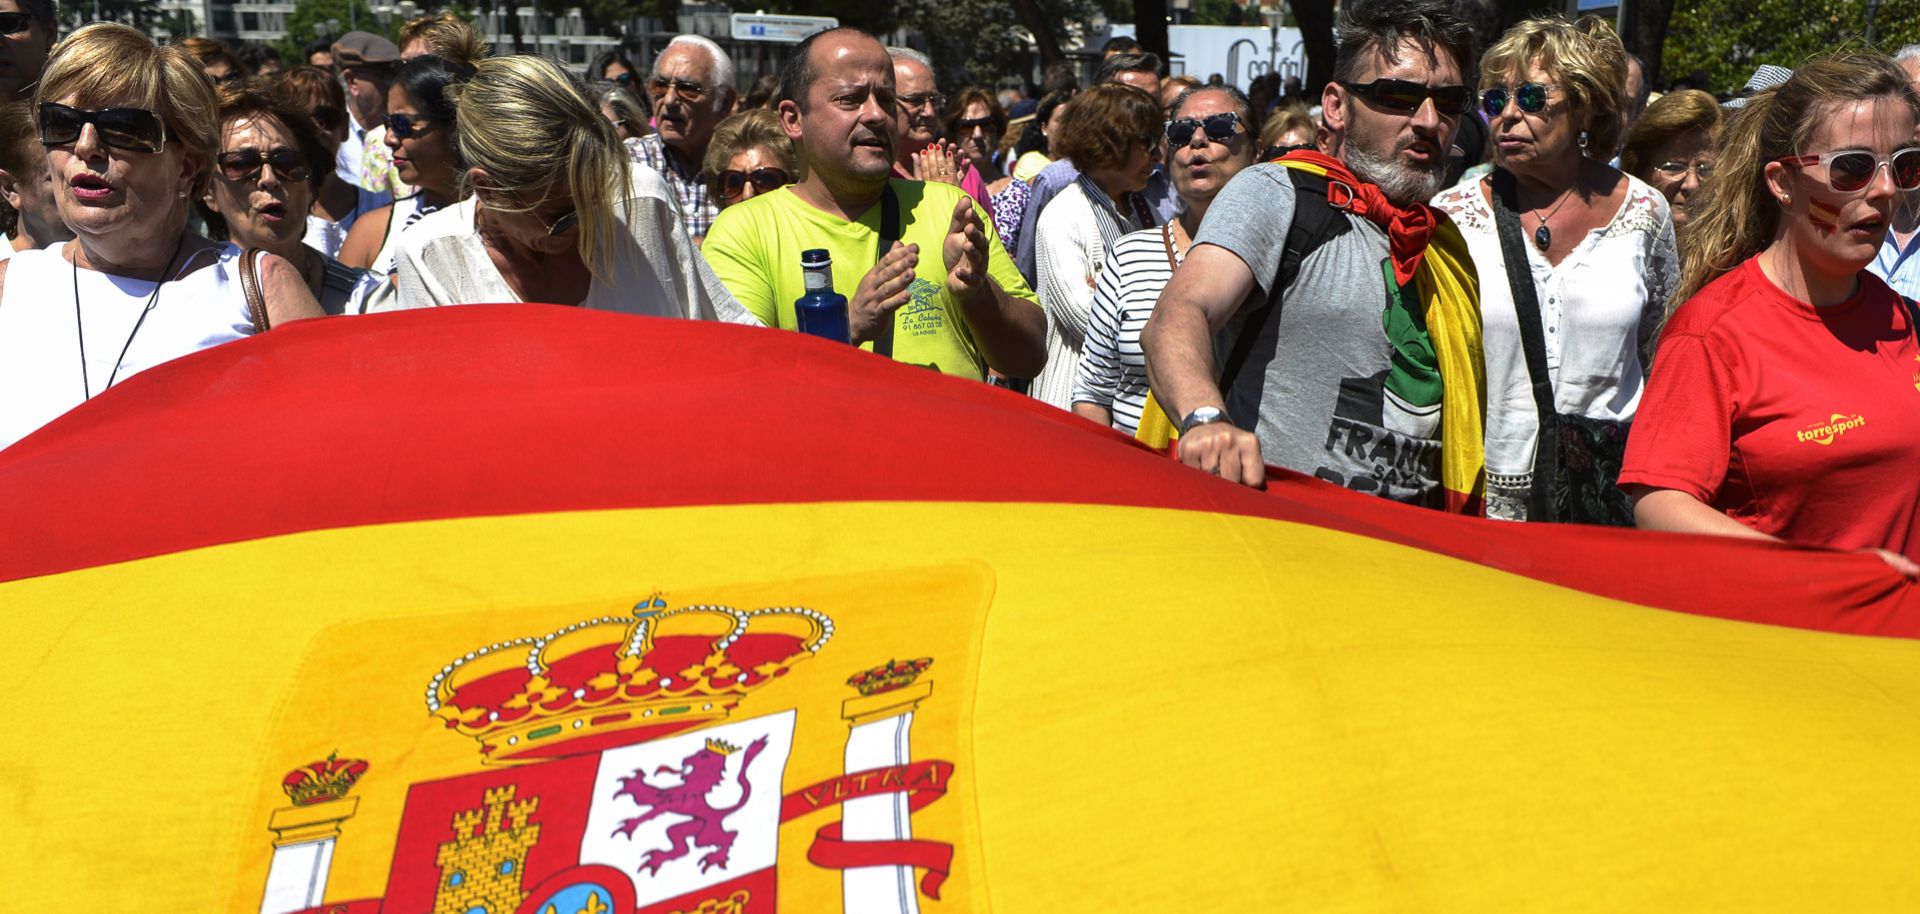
{"x":1727,"y":39}
{"x":980,"y":42}
{"x":310,"y":17}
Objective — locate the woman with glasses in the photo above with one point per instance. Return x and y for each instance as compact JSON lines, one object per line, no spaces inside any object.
{"x":1672,"y":147}
{"x":423,"y":135}
{"x":749,"y":155}
{"x":129,"y":134}
{"x":1785,"y":401}
{"x":271,"y":162}
{"x":614,"y":67}
{"x":1573,"y":289}
{"x":339,"y":203}
{"x":623,"y":110}
{"x":1112,"y":134}
{"x":1207,"y":144}
{"x":558,"y":213}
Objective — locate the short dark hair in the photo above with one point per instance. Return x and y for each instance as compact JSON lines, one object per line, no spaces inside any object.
{"x":43,"y":12}
{"x":1059,"y":78}
{"x":1143,"y":62}
{"x":598,"y":69}
{"x":1123,"y":44}
{"x":255,"y":55}
{"x":314,"y":47}
{"x":1101,"y":126}
{"x":1369,"y":25}
{"x":797,"y":72}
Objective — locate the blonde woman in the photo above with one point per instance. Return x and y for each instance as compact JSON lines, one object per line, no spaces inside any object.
{"x":558,"y":214}
{"x":1785,"y":401}
{"x":1593,"y":252}
{"x":442,"y":34}
{"x":130,"y":137}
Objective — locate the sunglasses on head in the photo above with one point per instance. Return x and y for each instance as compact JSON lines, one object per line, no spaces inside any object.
{"x":1218,"y":128}
{"x":14,"y":23}
{"x":690,"y":91}
{"x":405,"y":126}
{"x":732,"y":183}
{"x":131,"y":129}
{"x":244,"y":164}
{"x":1403,"y":96}
{"x":1852,"y":170}
{"x":1531,"y":97}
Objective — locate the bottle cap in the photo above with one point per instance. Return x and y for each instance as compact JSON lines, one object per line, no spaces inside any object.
{"x":817,"y":257}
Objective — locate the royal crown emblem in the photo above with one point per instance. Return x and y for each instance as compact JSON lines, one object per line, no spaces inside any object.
{"x":614,"y":680}
{"x":319,"y":782}
{"x":894,"y":674}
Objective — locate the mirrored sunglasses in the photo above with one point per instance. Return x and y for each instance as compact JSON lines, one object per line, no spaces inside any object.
{"x":1218,"y":128}
{"x":733,"y":183}
{"x":131,"y":129}
{"x":1852,"y":170}
{"x":1406,"y":97}
{"x":244,"y":164}
{"x":1531,"y":97}
{"x":405,"y":126}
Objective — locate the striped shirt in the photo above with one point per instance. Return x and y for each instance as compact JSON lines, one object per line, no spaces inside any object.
{"x":1113,"y":369}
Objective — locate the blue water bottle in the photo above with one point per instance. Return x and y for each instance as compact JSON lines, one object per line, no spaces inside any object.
{"x":822,"y":311}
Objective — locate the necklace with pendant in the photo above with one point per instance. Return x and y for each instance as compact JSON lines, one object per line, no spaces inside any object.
{"x":1543,"y":236}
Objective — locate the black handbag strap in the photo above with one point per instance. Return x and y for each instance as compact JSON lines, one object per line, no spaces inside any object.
{"x":1526,"y":305}
{"x":1315,"y":222}
{"x":889,"y":235}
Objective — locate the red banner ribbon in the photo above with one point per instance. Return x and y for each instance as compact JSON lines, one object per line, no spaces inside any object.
{"x":922,"y":782}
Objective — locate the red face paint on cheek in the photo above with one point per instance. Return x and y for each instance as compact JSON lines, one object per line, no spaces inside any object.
{"x":1824,"y":217}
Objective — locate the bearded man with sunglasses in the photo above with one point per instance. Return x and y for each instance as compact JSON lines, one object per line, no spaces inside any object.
{"x":1353,"y":358}
{"x":692,"y":92}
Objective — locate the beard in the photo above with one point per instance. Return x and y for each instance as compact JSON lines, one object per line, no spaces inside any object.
{"x":1402,"y":183}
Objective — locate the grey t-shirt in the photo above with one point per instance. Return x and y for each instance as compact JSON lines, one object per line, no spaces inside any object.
{"x":1314,"y":390}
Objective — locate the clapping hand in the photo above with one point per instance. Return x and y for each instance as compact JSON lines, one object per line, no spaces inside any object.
{"x":938,"y":162}
{"x":881,"y":292}
{"x":965,"y":252}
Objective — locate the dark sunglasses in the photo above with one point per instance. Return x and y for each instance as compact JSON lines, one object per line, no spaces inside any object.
{"x":969,"y":123}
{"x":732,"y":183}
{"x":1851,"y":171}
{"x":326,"y":117}
{"x":1403,"y":96}
{"x":690,"y":91}
{"x":1218,"y":128}
{"x":625,"y":79}
{"x":1531,"y":97}
{"x":244,"y":165}
{"x":131,"y":129}
{"x":14,"y":23}
{"x":405,"y":126}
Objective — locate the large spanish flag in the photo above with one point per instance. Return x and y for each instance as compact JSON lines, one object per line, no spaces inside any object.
{"x":525,"y":610}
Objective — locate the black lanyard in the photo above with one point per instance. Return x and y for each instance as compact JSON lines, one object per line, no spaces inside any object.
{"x":889,"y":235}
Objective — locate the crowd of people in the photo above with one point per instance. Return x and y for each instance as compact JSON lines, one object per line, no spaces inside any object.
{"x":1511,"y":283}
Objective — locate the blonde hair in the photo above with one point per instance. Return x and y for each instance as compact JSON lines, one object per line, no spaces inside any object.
{"x":1737,"y":216}
{"x":107,"y":63}
{"x":750,"y":129}
{"x":1284,"y":120}
{"x":524,"y":121}
{"x":1585,"y":58}
{"x":447,"y":36}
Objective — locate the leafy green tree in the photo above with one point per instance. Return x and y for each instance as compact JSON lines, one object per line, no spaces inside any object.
{"x":310,"y":17}
{"x":1727,"y":39}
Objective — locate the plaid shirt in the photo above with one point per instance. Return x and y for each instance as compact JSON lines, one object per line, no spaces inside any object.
{"x":689,"y":187}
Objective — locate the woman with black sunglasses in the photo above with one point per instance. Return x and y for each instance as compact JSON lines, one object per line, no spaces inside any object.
{"x":749,"y":155}
{"x":129,"y":134}
{"x":1785,"y":401}
{"x":271,"y":162}
{"x":339,"y":203}
{"x":1576,"y":261}
{"x":424,"y":137}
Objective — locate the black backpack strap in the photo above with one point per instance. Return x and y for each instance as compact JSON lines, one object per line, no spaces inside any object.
{"x":1533,"y":341}
{"x":889,"y":235}
{"x":1913,"y":315}
{"x":1315,"y":222}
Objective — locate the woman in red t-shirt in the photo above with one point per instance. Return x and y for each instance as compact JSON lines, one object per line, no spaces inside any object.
{"x":1784,"y":402}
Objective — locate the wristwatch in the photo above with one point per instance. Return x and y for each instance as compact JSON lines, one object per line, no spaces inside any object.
{"x":1202,"y":416}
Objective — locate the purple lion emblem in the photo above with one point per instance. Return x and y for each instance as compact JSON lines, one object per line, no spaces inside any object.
{"x":699,"y":774}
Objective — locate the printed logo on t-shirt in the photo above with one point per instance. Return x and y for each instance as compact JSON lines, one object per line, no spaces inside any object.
{"x":1824,"y":433}
{"x":923,"y":315}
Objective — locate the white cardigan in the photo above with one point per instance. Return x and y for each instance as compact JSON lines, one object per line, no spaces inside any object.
{"x":1068,"y":254}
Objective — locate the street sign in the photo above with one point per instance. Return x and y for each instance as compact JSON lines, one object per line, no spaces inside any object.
{"x":783,"y":29}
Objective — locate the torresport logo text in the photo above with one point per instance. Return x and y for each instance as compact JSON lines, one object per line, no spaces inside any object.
{"x":1835,"y":426}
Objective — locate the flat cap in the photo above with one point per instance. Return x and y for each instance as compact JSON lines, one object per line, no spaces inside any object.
{"x":364,"y":48}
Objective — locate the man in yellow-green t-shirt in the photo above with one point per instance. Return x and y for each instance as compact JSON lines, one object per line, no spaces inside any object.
{"x":961,"y":307}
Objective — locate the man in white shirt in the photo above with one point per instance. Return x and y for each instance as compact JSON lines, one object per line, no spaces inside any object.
{"x":367,"y":63}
